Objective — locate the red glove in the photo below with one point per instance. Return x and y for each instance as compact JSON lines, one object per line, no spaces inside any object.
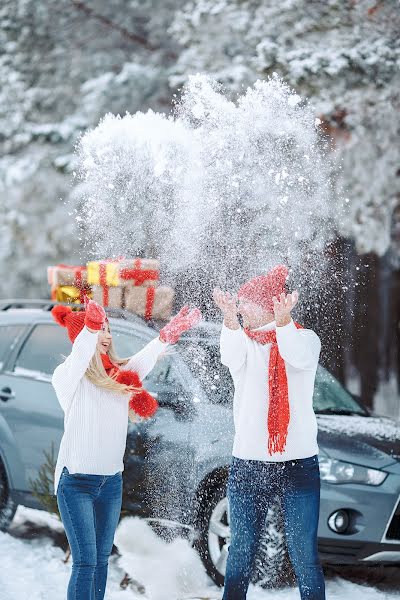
{"x":95,"y":315}
{"x":184,"y":320}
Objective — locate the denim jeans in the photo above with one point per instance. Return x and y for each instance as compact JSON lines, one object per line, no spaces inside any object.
{"x":90,"y":506}
{"x":252,"y":485}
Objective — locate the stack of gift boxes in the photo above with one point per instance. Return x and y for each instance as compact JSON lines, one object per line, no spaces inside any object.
{"x":132,"y":284}
{"x":68,"y":283}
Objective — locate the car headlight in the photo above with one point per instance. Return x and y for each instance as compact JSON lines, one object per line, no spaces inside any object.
{"x":338,"y":471}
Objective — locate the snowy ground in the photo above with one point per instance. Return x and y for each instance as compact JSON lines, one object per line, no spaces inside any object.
{"x":32,"y":568}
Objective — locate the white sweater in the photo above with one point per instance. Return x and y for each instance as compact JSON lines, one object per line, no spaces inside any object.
{"x":95,"y":419}
{"x":248,"y":362}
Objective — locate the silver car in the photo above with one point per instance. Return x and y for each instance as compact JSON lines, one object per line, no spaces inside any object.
{"x":176,"y":465}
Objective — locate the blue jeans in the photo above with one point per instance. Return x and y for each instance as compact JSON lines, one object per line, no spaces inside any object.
{"x":90,"y":506}
{"x":252,"y":485}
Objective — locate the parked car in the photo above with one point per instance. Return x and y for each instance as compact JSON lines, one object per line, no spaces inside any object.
{"x":176,"y":464}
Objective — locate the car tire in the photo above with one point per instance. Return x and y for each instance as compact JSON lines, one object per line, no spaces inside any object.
{"x":7,"y":505}
{"x":272,"y":568}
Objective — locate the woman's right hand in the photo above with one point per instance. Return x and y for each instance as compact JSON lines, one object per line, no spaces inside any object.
{"x":95,"y":315}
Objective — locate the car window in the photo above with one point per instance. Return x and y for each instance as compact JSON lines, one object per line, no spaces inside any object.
{"x":126,"y":344}
{"x":331,"y":396}
{"x":46,"y":347}
{"x":9,"y":336}
{"x":164,"y":371}
{"x":164,"y":377}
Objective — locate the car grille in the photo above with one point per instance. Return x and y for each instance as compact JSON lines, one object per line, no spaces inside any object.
{"x":393,"y":532}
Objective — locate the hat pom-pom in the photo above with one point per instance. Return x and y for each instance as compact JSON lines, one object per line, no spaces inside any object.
{"x":143,"y":404}
{"x":60,"y":314}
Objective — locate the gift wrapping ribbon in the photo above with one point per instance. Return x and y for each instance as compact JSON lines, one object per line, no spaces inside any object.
{"x":103,"y":281}
{"x":138,"y":275}
{"x":150,"y":296}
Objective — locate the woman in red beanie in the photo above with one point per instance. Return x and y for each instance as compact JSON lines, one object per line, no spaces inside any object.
{"x":98,"y":391}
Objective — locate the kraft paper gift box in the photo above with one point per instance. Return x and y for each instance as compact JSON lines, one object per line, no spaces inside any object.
{"x":70,"y":275}
{"x":150,"y":302}
{"x":112,"y":297}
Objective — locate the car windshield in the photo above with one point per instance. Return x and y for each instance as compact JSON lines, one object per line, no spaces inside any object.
{"x":203,"y":358}
{"x":330,"y":397}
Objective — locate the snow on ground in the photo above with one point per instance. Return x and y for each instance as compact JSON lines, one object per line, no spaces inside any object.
{"x":33,"y":569}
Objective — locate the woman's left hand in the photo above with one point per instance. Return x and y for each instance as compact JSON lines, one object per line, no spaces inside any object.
{"x":184,"y":320}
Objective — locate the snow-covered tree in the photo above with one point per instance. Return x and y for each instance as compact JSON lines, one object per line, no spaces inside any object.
{"x":64,"y":65}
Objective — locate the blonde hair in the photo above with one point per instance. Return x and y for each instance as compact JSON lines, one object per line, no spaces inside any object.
{"x":97,"y":374}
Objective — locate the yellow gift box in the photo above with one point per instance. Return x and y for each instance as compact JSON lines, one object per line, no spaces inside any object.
{"x":69,"y":293}
{"x":103,"y":272}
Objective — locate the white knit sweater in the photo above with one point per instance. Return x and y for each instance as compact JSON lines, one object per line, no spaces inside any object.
{"x":248,"y":362}
{"x":95,"y":420}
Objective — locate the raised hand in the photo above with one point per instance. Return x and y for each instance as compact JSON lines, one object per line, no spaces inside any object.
{"x":227,"y":303}
{"x":184,"y":320}
{"x":283,"y":307}
{"x":95,"y":315}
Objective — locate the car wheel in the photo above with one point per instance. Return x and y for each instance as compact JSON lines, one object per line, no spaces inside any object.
{"x":7,"y":504}
{"x":272,"y":566}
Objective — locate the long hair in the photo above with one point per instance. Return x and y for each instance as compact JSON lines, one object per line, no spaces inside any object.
{"x":97,"y":374}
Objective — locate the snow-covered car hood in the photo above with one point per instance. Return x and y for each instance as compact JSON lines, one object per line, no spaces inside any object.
{"x":372,"y":441}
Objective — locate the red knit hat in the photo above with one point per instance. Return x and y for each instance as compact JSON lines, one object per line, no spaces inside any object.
{"x":263,"y":288}
{"x":73,"y":320}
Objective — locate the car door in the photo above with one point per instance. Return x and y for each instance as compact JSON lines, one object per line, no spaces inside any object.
{"x":157,"y":448}
{"x":11,"y":336}
{"x":31,"y":409}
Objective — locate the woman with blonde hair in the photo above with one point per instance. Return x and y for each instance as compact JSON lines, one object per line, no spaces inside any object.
{"x":97,"y":391}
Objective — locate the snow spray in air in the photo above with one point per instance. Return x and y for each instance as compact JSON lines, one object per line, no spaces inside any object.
{"x":219,"y":190}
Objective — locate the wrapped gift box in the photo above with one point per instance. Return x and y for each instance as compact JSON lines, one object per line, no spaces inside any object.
{"x":69,"y":293}
{"x":108,"y":296}
{"x":70,"y":275}
{"x":150,"y":302}
{"x":121,"y":272}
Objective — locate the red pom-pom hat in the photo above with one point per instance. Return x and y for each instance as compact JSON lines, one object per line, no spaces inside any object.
{"x":73,"y":320}
{"x":263,"y":288}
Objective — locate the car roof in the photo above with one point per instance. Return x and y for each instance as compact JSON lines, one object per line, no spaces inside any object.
{"x":26,"y":310}
{"x":23,"y":311}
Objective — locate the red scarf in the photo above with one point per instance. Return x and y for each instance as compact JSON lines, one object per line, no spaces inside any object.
{"x":279,"y":410}
{"x":141,"y":402}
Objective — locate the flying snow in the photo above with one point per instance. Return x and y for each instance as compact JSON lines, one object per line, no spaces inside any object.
{"x":229,"y":187}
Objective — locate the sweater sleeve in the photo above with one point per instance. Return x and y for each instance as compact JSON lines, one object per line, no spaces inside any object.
{"x":143,"y":361}
{"x":66,"y":377}
{"x":233,"y":347}
{"x":300,"y":348}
